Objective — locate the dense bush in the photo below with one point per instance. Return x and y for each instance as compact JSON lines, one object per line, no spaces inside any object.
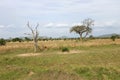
{"x":65,"y":49}
{"x":113,"y":37}
{"x":17,"y":39}
{"x":2,"y":42}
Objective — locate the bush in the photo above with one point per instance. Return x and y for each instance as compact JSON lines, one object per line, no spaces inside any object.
{"x":2,"y":42}
{"x":17,"y":39}
{"x":91,"y":37}
{"x":113,"y":37}
{"x":65,"y":49}
{"x":27,"y":39}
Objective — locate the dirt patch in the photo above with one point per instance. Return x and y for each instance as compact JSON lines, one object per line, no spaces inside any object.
{"x":38,"y":54}
{"x":29,"y":54}
{"x":31,"y":73}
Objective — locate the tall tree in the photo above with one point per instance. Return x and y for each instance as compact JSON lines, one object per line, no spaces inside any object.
{"x":85,"y":28}
{"x":34,"y":35}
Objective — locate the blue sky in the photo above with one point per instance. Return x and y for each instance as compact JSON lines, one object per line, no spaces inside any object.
{"x":57,"y":16}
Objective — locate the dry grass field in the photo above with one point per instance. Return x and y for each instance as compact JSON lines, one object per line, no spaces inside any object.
{"x":97,"y":59}
{"x":59,"y":43}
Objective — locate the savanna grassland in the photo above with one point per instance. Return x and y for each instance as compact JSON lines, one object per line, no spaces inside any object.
{"x":97,"y":59}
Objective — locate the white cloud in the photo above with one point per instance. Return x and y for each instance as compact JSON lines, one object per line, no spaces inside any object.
{"x":111,"y":23}
{"x":49,"y":24}
{"x":2,"y":26}
{"x":56,"y":25}
{"x":7,"y":26}
{"x":61,"y":25}
{"x":11,"y":25}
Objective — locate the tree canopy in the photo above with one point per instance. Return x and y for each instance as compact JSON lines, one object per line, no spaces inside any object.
{"x":84,"y":28}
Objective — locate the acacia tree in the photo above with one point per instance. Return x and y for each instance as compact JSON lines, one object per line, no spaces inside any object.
{"x":34,"y":35}
{"x":79,"y":29}
{"x":85,"y":28}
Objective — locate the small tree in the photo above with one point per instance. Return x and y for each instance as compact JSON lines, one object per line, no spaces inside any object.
{"x":113,"y":37}
{"x":34,"y":35}
{"x":2,"y":42}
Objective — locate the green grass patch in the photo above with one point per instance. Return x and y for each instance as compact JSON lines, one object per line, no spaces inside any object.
{"x":94,"y":63}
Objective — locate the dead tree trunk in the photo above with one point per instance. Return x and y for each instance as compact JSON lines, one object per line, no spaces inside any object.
{"x":34,"y":36}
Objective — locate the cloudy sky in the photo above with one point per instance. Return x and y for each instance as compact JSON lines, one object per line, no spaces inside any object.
{"x":55,"y":17}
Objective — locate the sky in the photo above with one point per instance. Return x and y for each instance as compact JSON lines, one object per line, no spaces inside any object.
{"x":56,"y":17}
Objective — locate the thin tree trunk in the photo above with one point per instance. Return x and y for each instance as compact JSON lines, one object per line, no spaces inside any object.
{"x":86,"y":35}
{"x":81,"y":37}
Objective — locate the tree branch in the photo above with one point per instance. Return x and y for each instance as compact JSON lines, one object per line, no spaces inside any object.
{"x":30,"y":28}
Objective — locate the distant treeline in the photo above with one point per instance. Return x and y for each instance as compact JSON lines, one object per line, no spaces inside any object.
{"x":27,"y":39}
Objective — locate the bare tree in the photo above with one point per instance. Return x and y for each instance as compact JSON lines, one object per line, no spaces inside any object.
{"x":34,"y":35}
{"x":88,"y":23}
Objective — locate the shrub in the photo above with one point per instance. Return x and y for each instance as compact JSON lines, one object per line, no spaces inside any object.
{"x":17,"y":39}
{"x":27,"y":39}
{"x":113,"y":37}
{"x":91,"y":37}
{"x":2,"y":42}
{"x":65,"y":49}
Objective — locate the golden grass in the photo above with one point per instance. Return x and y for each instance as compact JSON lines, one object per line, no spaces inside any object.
{"x":59,"y":43}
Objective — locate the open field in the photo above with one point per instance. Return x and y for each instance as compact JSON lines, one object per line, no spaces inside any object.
{"x":97,"y":59}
